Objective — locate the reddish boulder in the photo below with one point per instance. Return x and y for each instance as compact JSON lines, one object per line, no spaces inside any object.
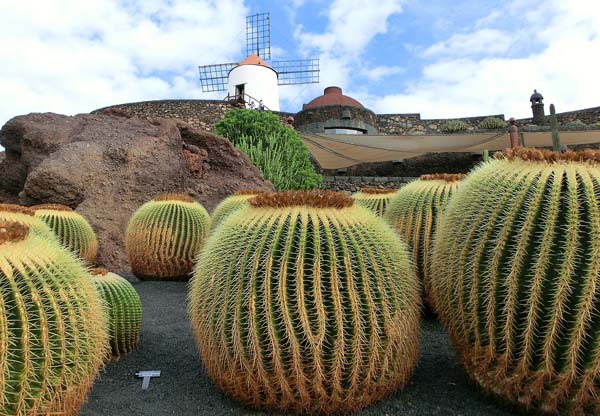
{"x":106,"y":165}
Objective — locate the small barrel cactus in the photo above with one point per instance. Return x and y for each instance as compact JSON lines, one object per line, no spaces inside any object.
{"x":230,"y":205}
{"x":492,"y":123}
{"x":304,"y":302}
{"x":124,"y":310}
{"x":454,"y":126}
{"x":515,"y":278}
{"x":53,"y":334}
{"x":374,"y":198}
{"x":164,"y":235}
{"x":414,"y":214}
{"x":71,"y":228}
{"x":26,"y":216}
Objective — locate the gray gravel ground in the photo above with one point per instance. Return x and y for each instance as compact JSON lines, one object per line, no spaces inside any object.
{"x":438,"y":386}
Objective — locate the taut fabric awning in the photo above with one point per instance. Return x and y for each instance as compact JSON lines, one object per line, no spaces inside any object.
{"x":335,"y":151}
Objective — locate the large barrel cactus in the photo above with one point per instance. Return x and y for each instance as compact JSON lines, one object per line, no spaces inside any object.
{"x":414,"y":213}
{"x":305,"y":302}
{"x":124,"y":310}
{"x":164,"y":235}
{"x":53,"y":335}
{"x":71,"y":228}
{"x":26,"y":216}
{"x":229,"y":205}
{"x":374,"y":198}
{"x":516,"y":278}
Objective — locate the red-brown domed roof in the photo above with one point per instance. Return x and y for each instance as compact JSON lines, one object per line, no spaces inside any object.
{"x":332,"y":96}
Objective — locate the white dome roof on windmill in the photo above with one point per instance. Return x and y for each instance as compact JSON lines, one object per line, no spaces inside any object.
{"x":254,"y":80}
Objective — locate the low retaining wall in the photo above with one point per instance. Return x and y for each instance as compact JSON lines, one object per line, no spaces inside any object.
{"x":354,"y":183}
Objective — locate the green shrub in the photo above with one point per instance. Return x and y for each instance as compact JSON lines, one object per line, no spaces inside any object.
{"x":454,"y":126}
{"x":276,"y":150}
{"x":576,"y":124}
{"x":492,"y":123}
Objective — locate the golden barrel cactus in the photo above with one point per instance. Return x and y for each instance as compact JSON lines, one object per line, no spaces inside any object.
{"x":374,"y":198}
{"x":71,"y":229}
{"x":164,"y":235}
{"x":516,"y":278}
{"x":414,"y":212}
{"x":124,"y":310}
{"x":26,"y":216}
{"x":53,"y":335}
{"x":229,"y":205}
{"x":305,"y":302}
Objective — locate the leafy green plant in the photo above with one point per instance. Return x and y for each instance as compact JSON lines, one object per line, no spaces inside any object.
{"x":454,"y":126}
{"x":305,"y":303}
{"x":276,"y":150}
{"x":515,"y":274}
{"x":492,"y":123}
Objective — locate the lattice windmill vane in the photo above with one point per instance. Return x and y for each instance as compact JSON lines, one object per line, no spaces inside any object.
{"x":254,"y":82}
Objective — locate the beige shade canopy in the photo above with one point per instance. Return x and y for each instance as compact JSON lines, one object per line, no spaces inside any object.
{"x":335,"y":151}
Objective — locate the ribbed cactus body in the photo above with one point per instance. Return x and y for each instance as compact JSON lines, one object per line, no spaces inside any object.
{"x":53,"y":335}
{"x":374,"y":199}
{"x":124,"y":310}
{"x":164,"y":235}
{"x":26,"y":216}
{"x":71,"y":229}
{"x":515,"y":278}
{"x":228,"y":206}
{"x":414,"y":212}
{"x":305,"y":302}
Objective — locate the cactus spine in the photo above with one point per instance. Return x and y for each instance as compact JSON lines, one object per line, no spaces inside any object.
{"x":415,"y":214}
{"x":26,"y":216}
{"x":164,"y":236}
{"x":230,"y":205}
{"x":71,"y":229}
{"x":515,"y":275}
{"x":374,"y":199}
{"x":124,"y":310}
{"x":53,"y":335}
{"x":554,"y":126}
{"x":304,"y":302}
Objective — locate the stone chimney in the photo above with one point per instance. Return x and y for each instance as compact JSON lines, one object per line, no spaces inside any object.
{"x":537,"y":107}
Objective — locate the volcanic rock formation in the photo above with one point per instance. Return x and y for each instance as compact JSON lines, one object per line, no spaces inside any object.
{"x":106,"y":165}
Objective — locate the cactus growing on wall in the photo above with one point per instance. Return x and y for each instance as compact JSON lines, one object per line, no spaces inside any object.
{"x":515,"y":277}
{"x":304,"y":302}
{"x":53,"y":337}
{"x":374,"y":198}
{"x":164,"y":236}
{"x":26,"y":216}
{"x":71,"y":228}
{"x":414,"y":212}
{"x":229,"y":205}
{"x":124,"y":310}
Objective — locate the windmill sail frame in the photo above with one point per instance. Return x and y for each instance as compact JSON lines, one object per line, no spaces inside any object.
{"x":214,"y":77}
{"x":297,"y":71}
{"x":258,"y":35}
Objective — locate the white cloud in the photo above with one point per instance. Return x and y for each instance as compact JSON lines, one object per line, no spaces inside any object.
{"x":71,"y":56}
{"x":564,"y":66}
{"x":377,"y":73}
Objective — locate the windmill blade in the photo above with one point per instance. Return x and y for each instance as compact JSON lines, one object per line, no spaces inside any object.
{"x":258,"y":35}
{"x":299,"y":71}
{"x":214,"y":77}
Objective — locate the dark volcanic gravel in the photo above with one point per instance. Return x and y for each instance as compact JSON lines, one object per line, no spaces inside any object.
{"x":438,"y":386}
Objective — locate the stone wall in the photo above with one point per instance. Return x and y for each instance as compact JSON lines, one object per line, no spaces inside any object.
{"x":588,"y":116}
{"x":413,"y":124}
{"x":354,"y":183}
{"x":201,"y":114}
{"x":318,"y":120}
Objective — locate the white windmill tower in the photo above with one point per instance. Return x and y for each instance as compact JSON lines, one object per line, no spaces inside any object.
{"x":253,"y":82}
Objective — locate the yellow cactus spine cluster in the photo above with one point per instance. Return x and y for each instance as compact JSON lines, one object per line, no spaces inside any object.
{"x":164,"y":235}
{"x":53,"y":334}
{"x":374,"y":199}
{"x":414,"y":212}
{"x":71,"y":229}
{"x":26,"y":216}
{"x":304,"y":302}
{"x":230,"y":205}
{"x":515,"y":278}
{"x":124,"y":310}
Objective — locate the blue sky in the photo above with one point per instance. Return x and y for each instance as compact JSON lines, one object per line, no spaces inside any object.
{"x":439,"y":58}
